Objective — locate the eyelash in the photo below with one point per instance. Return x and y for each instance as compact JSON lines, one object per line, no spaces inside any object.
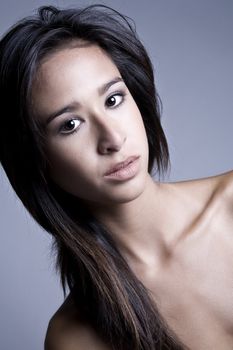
{"x":121,"y":94}
{"x":71,"y":131}
{"x":118,"y":93}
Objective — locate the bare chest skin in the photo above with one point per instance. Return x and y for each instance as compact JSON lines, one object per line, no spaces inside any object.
{"x":194,"y":286}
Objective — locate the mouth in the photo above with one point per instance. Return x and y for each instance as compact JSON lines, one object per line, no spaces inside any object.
{"x":124,"y":170}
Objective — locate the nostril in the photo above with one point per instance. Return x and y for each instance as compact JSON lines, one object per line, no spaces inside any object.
{"x":113,"y":149}
{"x":111,"y":145}
{"x":104,"y":148}
{"x":110,"y":136}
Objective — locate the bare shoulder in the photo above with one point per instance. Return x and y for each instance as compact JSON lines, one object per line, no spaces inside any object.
{"x":227,"y":180}
{"x":201,"y":196}
{"x":67,"y":331}
{"x":222,"y":185}
{"x":218,"y":187}
{"x":226,"y":186}
{"x":206,"y":187}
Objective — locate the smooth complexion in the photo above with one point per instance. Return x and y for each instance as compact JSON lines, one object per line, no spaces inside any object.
{"x":176,"y":237}
{"x":92,"y":124}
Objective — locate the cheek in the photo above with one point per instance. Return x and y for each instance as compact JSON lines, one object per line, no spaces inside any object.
{"x":72,"y":175}
{"x":139,"y":130}
{"x":66,"y":163}
{"x":136,"y":120}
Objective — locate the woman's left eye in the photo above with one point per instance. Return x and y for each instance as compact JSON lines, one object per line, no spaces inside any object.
{"x":70,"y":126}
{"x":114,"y":100}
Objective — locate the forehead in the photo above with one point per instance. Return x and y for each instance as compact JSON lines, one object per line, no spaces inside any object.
{"x":84,"y":59}
{"x":70,"y":74}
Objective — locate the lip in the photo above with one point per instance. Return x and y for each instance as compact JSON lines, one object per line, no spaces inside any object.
{"x":123,"y":170}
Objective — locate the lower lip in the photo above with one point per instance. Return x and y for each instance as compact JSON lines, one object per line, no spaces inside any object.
{"x":126,"y":173}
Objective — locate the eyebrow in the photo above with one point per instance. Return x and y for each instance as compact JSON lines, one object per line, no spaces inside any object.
{"x":106,"y":86}
{"x":73,"y":105}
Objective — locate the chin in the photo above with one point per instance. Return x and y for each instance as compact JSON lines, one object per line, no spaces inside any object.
{"x":127,"y":193}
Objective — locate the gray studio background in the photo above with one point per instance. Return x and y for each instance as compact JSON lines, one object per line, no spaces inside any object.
{"x":190,"y":43}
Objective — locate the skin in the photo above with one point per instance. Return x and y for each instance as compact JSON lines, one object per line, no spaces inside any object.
{"x":177,"y":237}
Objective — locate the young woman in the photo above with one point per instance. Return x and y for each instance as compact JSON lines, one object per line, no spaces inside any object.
{"x":149,"y":265}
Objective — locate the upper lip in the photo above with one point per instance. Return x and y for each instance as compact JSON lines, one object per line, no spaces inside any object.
{"x":120,"y":165}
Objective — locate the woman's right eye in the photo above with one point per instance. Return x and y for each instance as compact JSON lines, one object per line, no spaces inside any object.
{"x":70,"y":126}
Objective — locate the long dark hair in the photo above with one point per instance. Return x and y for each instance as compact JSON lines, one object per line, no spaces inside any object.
{"x":105,"y":289}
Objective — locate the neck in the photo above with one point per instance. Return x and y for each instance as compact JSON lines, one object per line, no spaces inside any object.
{"x":137,"y":226}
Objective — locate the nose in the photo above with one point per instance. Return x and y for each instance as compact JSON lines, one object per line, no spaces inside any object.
{"x":110,"y":136}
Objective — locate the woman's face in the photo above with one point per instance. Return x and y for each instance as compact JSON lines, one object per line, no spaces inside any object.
{"x":92,"y":125}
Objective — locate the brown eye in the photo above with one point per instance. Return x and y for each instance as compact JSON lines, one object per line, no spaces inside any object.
{"x":70,"y":126}
{"x":114,"y":100}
